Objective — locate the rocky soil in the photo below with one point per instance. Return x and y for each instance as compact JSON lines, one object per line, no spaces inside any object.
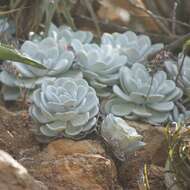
{"x":74,"y":165}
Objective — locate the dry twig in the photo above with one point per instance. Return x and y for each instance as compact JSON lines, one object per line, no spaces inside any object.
{"x":162,"y":25}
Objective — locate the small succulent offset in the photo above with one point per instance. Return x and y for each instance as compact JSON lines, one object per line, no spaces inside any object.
{"x":100,"y":65}
{"x":142,"y":96}
{"x":179,"y":115}
{"x":50,"y":53}
{"x":7,"y":26}
{"x":120,"y":136}
{"x":135,"y":47}
{"x":64,"y":107}
{"x":69,"y":35}
{"x":174,"y":70}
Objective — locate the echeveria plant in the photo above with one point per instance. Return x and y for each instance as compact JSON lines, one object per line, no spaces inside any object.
{"x":179,"y":115}
{"x":64,"y":107}
{"x":135,"y":47}
{"x":175,"y":69}
{"x":100,"y":65}
{"x":50,"y":53}
{"x":69,"y":35}
{"x":120,"y":136}
{"x":142,"y":96}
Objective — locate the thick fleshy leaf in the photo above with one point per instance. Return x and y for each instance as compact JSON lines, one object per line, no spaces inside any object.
{"x":36,"y":113}
{"x":141,"y":111}
{"x":88,"y":103}
{"x":90,"y":125}
{"x":97,"y":85}
{"x":167,"y":87}
{"x":65,"y":116}
{"x":48,"y":132}
{"x":93,"y":112}
{"x":126,"y":80}
{"x":81,"y":119}
{"x":109,"y":79}
{"x":121,"y":94}
{"x":154,"y":98}
{"x":132,"y":55}
{"x":158,"y":117}
{"x":57,"y":126}
{"x":138,"y":97}
{"x":73,"y":130}
{"x":162,"y":106}
{"x":122,"y":109}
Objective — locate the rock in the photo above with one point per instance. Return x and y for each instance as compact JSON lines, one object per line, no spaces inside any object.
{"x":74,"y":165}
{"x":13,"y":176}
{"x":155,"y":175}
{"x":68,"y":147}
{"x":154,"y":152}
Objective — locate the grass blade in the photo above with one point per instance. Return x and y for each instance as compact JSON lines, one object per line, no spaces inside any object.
{"x":11,"y":54}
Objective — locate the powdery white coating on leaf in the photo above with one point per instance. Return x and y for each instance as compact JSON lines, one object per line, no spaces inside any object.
{"x":65,"y":107}
{"x":120,"y":136}
{"x":140,"y":95}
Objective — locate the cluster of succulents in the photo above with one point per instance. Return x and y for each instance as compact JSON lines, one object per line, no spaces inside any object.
{"x":65,"y":104}
{"x":50,"y":53}
{"x":142,"y":96}
{"x":53,"y":52}
{"x":64,"y":107}
{"x":135,"y":47}
{"x":100,"y":65}
{"x":120,"y":136}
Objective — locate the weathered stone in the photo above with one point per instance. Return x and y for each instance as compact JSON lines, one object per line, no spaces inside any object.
{"x":68,"y":147}
{"x":154,"y":152}
{"x":75,"y":165}
{"x":13,"y":176}
{"x":155,"y":178}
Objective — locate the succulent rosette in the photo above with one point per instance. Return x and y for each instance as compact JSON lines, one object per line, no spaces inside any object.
{"x":50,"y":53}
{"x":100,"y":65}
{"x":69,"y":35}
{"x":142,"y":96}
{"x":176,"y":69}
{"x":135,"y":47}
{"x":122,"y":138}
{"x":64,"y":107}
{"x":180,"y":116}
